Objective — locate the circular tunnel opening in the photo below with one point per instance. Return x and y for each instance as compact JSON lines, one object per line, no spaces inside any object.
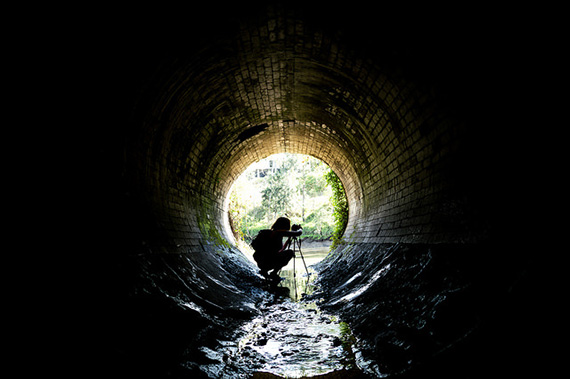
{"x":399,"y":124}
{"x":292,"y":185}
{"x":296,"y":186}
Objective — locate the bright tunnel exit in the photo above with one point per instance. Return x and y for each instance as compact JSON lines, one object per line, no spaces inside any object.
{"x":300,"y":187}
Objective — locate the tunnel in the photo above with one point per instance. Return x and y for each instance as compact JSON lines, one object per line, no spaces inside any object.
{"x":414,"y":123}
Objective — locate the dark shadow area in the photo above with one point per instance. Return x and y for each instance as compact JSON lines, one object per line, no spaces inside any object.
{"x":443,"y":311}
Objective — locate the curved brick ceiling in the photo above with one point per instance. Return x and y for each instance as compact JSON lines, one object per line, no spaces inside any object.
{"x":282,"y":84}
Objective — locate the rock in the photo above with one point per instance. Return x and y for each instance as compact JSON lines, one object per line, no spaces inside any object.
{"x":261,"y":342}
{"x":336,"y":342}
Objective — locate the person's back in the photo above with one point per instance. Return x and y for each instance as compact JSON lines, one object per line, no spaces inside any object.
{"x":274,"y":255}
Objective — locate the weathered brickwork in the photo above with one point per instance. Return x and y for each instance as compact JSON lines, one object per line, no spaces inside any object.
{"x":391,"y":141}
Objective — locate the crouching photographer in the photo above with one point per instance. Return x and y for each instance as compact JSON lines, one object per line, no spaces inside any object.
{"x":271,"y":254}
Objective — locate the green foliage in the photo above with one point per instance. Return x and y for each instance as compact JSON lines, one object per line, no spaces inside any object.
{"x":340,"y":206}
{"x":210,"y":232}
{"x":236,"y":215}
{"x":285,"y":184}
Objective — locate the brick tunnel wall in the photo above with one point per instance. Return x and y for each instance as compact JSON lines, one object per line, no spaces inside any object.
{"x":421,"y":129}
{"x":283,"y":84}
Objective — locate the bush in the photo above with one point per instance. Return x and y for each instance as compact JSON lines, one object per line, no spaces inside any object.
{"x":317,"y":230}
{"x":340,"y":206}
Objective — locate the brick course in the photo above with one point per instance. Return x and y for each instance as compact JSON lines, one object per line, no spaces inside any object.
{"x":390,"y":140}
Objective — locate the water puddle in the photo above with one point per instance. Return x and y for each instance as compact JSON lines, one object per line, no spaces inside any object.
{"x":298,"y":275}
{"x":290,"y":338}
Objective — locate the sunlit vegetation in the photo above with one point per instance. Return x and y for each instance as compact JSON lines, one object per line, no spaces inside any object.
{"x":300,"y":187}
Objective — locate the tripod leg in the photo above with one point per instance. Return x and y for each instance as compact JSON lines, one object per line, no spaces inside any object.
{"x":294,"y":273}
{"x":303,"y":259}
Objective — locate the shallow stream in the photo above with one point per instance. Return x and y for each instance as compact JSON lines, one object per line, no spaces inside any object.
{"x":290,"y":337}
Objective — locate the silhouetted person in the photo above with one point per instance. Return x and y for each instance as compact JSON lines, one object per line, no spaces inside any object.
{"x":271,"y":254}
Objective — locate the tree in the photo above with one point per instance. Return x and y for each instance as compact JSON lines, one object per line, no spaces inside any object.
{"x":276,"y":197}
{"x":310,"y":180}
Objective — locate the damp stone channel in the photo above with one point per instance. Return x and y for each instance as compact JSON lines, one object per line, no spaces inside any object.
{"x":291,"y":337}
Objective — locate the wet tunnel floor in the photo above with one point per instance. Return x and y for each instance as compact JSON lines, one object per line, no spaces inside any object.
{"x":290,"y":337}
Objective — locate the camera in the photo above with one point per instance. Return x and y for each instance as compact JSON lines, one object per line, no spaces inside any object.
{"x":296,"y":227}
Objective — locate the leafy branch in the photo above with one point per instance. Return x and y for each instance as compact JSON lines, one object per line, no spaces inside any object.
{"x":340,"y":206}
